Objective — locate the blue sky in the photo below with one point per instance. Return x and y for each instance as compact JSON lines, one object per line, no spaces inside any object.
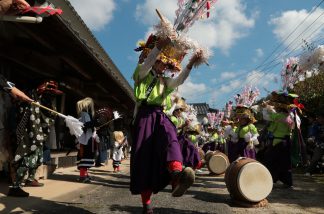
{"x":240,"y":33}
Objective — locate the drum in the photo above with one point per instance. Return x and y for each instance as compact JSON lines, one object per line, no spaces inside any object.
{"x":201,"y":153}
{"x":208,"y":155}
{"x":248,"y":180}
{"x":218,"y":163}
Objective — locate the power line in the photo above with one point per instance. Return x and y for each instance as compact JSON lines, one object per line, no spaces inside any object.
{"x":279,"y":45}
{"x":270,"y":64}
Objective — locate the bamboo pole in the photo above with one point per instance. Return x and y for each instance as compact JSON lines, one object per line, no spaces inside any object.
{"x":48,"y":109}
{"x":24,"y":19}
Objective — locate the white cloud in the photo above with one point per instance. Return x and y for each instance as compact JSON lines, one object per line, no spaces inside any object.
{"x":228,"y":75}
{"x":214,"y":80}
{"x":146,"y":14}
{"x":191,"y":89}
{"x":227,"y":23}
{"x":258,"y":54}
{"x":226,"y":91}
{"x":289,"y":20}
{"x":95,"y":13}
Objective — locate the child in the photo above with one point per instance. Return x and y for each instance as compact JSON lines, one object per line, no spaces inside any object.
{"x":118,"y":150}
{"x":88,"y":140}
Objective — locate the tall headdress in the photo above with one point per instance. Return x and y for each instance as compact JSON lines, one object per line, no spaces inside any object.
{"x":309,"y":64}
{"x":244,"y":102}
{"x":228,"y":109}
{"x":247,"y":97}
{"x":215,"y":119}
{"x":189,"y":11}
{"x":285,"y":101}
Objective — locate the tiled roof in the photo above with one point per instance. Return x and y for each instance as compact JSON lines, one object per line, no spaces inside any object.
{"x":72,"y":19}
{"x":201,"y":108}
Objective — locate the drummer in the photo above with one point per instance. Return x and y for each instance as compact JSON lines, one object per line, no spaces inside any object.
{"x":213,"y":140}
{"x":221,"y":142}
{"x":245,"y":136}
{"x":191,"y":157}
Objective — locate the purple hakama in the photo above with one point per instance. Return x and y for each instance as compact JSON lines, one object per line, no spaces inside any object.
{"x":191,"y":157}
{"x":155,"y":143}
{"x":236,"y":150}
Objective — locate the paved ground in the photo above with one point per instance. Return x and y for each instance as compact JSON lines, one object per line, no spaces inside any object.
{"x":109,"y":194}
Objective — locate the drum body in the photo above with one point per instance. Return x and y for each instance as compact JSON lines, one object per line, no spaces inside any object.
{"x":248,"y":180}
{"x":201,"y":153}
{"x":217,"y":163}
{"x":208,"y":155}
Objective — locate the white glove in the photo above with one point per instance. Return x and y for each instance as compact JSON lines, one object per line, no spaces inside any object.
{"x":250,"y":146}
{"x":247,"y":137}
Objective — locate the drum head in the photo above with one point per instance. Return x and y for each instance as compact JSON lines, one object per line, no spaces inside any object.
{"x":218,"y":164}
{"x":254,"y":181}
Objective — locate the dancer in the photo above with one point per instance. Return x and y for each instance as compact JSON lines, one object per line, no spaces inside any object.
{"x":185,"y":129}
{"x":119,"y":143}
{"x":88,"y":141}
{"x":156,"y":158}
{"x":281,"y":112}
{"x":32,"y":132}
{"x":245,"y":136}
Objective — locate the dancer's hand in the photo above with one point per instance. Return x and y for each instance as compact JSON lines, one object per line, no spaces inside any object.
{"x":195,"y":59}
{"x":17,"y":94}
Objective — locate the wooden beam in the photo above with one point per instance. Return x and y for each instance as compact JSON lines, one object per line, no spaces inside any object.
{"x":24,"y":61}
{"x":76,"y":67}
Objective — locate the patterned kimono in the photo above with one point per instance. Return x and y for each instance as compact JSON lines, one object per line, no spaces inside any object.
{"x":32,"y":131}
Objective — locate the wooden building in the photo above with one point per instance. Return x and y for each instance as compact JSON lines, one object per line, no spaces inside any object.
{"x":62,"y":48}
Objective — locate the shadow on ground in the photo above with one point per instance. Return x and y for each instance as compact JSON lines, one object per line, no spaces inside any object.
{"x":38,"y":205}
{"x":135,"y":210}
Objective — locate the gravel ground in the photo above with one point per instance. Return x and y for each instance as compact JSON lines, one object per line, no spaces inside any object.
{"x":208,"y":195}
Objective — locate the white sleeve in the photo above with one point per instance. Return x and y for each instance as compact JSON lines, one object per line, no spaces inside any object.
{"x":266,"y":114}
{"x":148,"y":63}
{"x":227,"y":131}
{"x":247,"y":137}
{"x":175,"y":82}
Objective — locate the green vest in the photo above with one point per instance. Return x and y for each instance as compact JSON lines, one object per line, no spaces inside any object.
{"x":242,"y":131}
{"x":278,"y":127}
{"x":156,"y":97}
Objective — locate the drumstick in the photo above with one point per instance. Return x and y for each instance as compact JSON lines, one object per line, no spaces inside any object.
{"x":24,"y":19}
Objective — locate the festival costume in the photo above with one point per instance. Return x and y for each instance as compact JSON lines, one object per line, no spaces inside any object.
{"x":277,"y":157}
{"x":42,"y":8}
{"x":5,"y":86}
{"x":212,"y":144}
{"x":242,"y":145}
{"x":187,"y":141}
{"x":102,"y":116}
{"x":156,"y":157}
{"x":245,"y":136}
{"x":216,"y":140}
{"x":32,"y":131}
{"x":88,"y":141}
{"x":119,"y":143}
